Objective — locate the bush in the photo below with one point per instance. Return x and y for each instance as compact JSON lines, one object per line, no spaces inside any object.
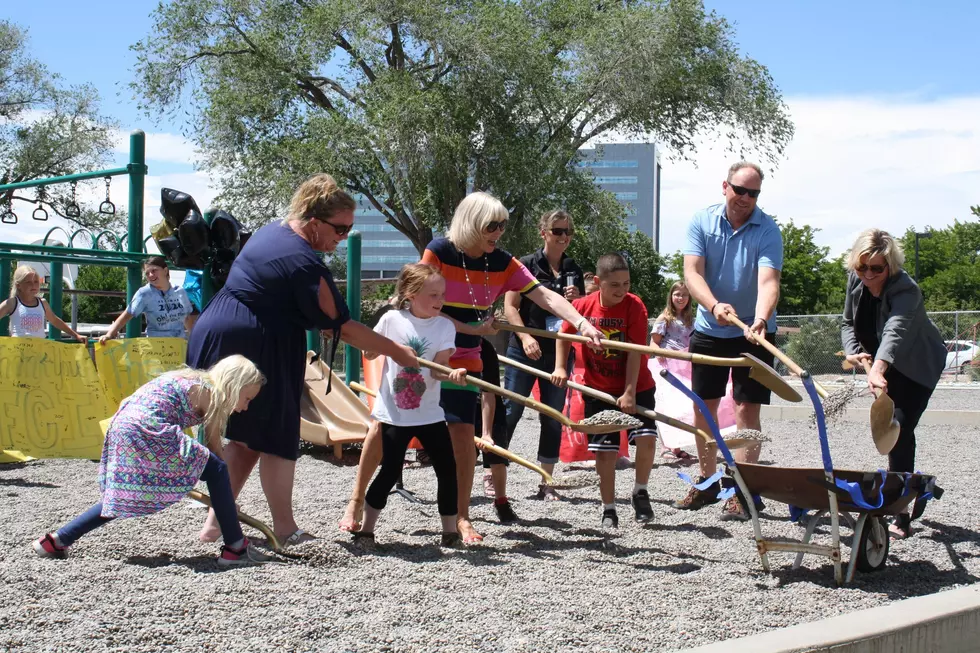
{"x":816,"y":345}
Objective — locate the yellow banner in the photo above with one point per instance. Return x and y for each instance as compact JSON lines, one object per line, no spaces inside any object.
{"x":51,"y":400}
{"x":125,"y":365}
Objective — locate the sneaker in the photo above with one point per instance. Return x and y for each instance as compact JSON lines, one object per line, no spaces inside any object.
{"x":733,"y":510}
{"x":696,"y":499}
{"x":610,"y":519}
{"x":46,"y":547}
{"x":641,"y":504}
{"x":247,"y":555}
{"x":488,"y":490}
{"x":505,"y":513}
{"x":451,"y":540}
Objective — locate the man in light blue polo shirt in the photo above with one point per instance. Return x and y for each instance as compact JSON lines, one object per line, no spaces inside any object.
{"x":732,"y":260}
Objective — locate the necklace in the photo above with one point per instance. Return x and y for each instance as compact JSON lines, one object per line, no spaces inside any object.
{"x":481,"y":315}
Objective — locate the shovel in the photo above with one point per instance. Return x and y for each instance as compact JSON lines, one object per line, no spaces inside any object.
{"x":786,"y":360}
{"x":492,"y":448}
{"x":759,"y":371}
{"x":595,"y":429}
{"x":884,"y":426}
{"x":734,"y":443}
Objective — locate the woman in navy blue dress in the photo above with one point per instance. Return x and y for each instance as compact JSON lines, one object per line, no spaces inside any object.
{"x":277,"y":289}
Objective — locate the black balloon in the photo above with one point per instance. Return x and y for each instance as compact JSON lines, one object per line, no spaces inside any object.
{"x":193,"y":233}
{"x":168,"y":245}
{"x":189,"y":261}
{"x":225,"y":232}
{"x":221,"y":265}
{"x":175,"y":205}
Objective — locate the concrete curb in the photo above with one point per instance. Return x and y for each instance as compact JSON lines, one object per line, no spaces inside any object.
{"x":805,"y":412}
{"x":947,"y":621}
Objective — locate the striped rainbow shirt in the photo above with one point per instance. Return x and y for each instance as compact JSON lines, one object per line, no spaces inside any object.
{"x":488,"y":277}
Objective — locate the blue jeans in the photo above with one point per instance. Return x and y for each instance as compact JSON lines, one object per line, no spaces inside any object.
{"x":215,"y":474}
{"x":520,"y":382}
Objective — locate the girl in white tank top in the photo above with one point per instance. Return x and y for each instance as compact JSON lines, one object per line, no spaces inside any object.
{"x":28,"y":311}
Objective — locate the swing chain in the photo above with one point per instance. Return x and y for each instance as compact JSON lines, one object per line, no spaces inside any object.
{"x":40,"y":214}
{"x":8,"y":216}
{"x":107,"y":207}
{"x":73,"y":210}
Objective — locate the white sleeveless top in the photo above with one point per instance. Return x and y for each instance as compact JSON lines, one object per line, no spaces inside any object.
{"x":27,"y":321}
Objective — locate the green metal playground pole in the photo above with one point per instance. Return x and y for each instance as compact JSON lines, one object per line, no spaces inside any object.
{"x":352,"y":357}
{"x":137,"y":171}
{"x":55,"y":285}
{"x":5,"y":282}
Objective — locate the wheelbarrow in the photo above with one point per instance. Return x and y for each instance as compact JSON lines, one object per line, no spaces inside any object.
{"x":871,"y":496}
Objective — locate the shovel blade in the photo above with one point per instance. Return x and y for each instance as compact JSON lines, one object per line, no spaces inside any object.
{"x":767,"y":376}
{"x":884,"y":426}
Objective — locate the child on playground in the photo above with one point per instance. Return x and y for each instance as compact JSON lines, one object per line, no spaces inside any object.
{"x":672,"y":330}
{"x":148,"y":463}
{"x":167,"y":307}
{"x":620,"y":315}
{"x":28,"y":311}
{"x":408,"y":401}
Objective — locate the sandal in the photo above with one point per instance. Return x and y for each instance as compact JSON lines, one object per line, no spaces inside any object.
{"x":474,"y":538}
{"x":547,"y":493}
{"x":677,"y":456}
{"x":299,"y":536}
{"x":901,"y":527}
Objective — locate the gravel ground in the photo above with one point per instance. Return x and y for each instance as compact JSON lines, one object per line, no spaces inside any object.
{"x":547,"y":584}
{"x":944,"y":398}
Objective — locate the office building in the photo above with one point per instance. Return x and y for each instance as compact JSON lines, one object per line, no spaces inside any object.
{"x":631,"y":171}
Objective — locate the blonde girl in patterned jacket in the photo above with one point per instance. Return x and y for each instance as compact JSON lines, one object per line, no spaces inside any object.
{"x":28,"y":311}
{"x":148,"y":463}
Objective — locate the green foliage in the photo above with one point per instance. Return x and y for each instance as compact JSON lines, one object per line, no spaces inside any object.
{"x":93,"y":309}
{"x":46,"y":129}
{"x":809,"y":284}
{"x":413,"y":104}
{"x":948,"y":267}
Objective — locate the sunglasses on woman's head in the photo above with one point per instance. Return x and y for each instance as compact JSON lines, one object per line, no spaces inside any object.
{"x":496,"y":225}
{"x":742,"y":190}
{"x":341,"y":229}
{"x":560,"y":231}
{"x":875,"y":269}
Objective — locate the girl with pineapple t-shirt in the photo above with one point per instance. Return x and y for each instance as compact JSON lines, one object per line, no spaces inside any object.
{"x":408,"y":402}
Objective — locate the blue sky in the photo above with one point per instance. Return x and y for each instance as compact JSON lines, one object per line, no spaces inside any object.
{"x":876,"y":86}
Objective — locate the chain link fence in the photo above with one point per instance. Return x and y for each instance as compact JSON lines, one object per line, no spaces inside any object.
{"x":813,"y":341}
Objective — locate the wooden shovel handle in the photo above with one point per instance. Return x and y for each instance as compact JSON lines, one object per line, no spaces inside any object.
{"x":629,"y":346}
{"x":496,"y":389}
{"x":774,"y":350}
{"x":867,"y":370}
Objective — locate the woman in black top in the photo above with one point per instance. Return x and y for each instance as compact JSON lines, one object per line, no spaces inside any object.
{"x":554,"y":270}
{"x":885,"y":323}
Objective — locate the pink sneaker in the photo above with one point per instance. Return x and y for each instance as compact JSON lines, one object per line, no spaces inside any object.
{"x":46,"y":547}
{"x":247,"y":555}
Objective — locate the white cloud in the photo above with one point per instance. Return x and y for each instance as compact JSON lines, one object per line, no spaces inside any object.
{"x":160,"y":146}
{"x":854,"y":163}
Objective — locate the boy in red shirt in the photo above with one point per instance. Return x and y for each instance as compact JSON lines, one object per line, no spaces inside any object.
{"x":620,"y":316}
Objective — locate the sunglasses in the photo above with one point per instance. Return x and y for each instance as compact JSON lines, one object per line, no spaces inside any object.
{"x":341,"y":229}
{"x":559,"y":231}
{"x":742,"y":190}
{"x":497,"y":225}
{"x":875,"y":269}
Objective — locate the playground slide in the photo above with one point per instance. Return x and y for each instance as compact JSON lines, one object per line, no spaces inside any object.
{"x":334,"y":419}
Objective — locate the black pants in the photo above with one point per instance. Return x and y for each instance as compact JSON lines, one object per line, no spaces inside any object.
{"x":436,"y":442}
{"x":911,"y":400}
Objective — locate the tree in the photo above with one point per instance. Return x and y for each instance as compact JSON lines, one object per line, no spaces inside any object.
{"x":47,"y":130}
{"x":949,"y":275}
{"x":413,"y":104}
{"x":94,"y":309}
{"x":809,"y":283}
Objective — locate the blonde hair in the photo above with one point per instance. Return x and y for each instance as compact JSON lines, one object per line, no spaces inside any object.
{"x":473,"y":214}
{"x":668,"y":315}
{"x":410,"y":281}
{"x":20,"y":275}
{"x":225,"y":381}
{"x":547,"y":220}
{"x":875,"y":242}
{"x":319,"y":197}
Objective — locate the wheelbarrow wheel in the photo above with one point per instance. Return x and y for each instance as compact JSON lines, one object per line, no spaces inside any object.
{"x":872,"y":550}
